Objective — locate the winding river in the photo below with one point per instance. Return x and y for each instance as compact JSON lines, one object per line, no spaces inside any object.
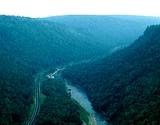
{"x":80,"y":96}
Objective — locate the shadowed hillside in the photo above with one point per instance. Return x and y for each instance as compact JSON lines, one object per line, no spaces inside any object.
{"x":125,"y":86}
{"x":30,"y":46}
{"x":26,"y":47}
{"x":108,"y":31}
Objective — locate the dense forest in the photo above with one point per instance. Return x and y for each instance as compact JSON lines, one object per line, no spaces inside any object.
{"x":110,"y":31}
{"x":15,"y":91}
{"x":125,"y":86}
{"x":43,"y":43}
{"x":28,"y":46}
{"x":57,"y":107}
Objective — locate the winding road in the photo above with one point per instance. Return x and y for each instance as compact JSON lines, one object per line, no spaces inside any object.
{"x":37,"y":104}
{"x":93,"y":119}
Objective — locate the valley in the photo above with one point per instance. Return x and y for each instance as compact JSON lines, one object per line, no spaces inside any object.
{"x":125,"y":85}
{"x":110,"y":76}
{"x":93,"y":118}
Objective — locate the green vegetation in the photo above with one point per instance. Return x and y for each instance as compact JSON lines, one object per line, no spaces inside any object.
{"x":16,"y":91}
{"x":54,"y":95}
{"x":84,"y":115}
{"x":125,"y":86}
{"x":38,"y":44}
{"x":28,"y":46}
{"x":58,"y":108}
{"x":42,"y":98}
{"x":108,"y":31}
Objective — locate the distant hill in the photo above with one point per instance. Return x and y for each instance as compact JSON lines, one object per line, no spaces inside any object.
{"x":28,"y":46}
{"x":108,"y":31}
{"x":125,"y":86}
{"x":43,"y":42}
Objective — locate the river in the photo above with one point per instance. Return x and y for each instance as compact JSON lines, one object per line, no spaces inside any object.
{"x":80,"y":96}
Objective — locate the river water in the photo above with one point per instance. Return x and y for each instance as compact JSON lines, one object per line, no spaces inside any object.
{"x":82,"y":99}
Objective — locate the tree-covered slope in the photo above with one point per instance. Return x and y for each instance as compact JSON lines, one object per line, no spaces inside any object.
{"x":16,"y":91}
{"x":108,"y":31}
{"x":27,"y":46}
{"x":58,"y":108}
{"x":125,"y":86}
{"x":43,"y":42}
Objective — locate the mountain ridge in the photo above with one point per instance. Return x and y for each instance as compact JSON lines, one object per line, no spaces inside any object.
{"x":128,"y":79}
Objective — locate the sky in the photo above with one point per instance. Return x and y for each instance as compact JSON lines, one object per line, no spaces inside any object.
{"x":45,"y":8}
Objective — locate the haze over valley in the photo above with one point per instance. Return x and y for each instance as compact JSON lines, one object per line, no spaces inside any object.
{"x":87,"y":69}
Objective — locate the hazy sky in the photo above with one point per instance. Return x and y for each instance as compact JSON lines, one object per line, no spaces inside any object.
{"x":42,"y":8}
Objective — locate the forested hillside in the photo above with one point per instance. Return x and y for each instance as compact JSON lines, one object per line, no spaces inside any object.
{"x":109,"y":31}
{"x":57,"y":108}
{"x":16,"y":90}
{"x":26,"y":47}
{"x":43,"y":42}
{"x":125,"y":86}
{"x":29,"y":46}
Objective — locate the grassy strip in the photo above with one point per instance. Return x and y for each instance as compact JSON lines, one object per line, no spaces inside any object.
{"x":30,"y":112}
{"x":42,"y":98}
{"x":84,"y":115}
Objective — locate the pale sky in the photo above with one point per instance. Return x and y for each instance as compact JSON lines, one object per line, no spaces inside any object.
{"x":44,"y":8}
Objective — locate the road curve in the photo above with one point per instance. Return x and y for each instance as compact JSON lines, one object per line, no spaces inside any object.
{"x":37,"y":103}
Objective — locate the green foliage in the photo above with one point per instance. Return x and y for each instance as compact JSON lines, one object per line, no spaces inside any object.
{"x":58,"y":108}
{"x":41,"y":43}
{"x":27,"y":46}
{"x":84,"y":115}
{"x":108,"y":31}
{"x":126,"y":85}
{"x":30,"y":45}
{"x":16,"y":92}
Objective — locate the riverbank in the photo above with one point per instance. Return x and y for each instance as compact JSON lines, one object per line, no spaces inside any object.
{"x":53,"y":86}
{"x":82,"y":99}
